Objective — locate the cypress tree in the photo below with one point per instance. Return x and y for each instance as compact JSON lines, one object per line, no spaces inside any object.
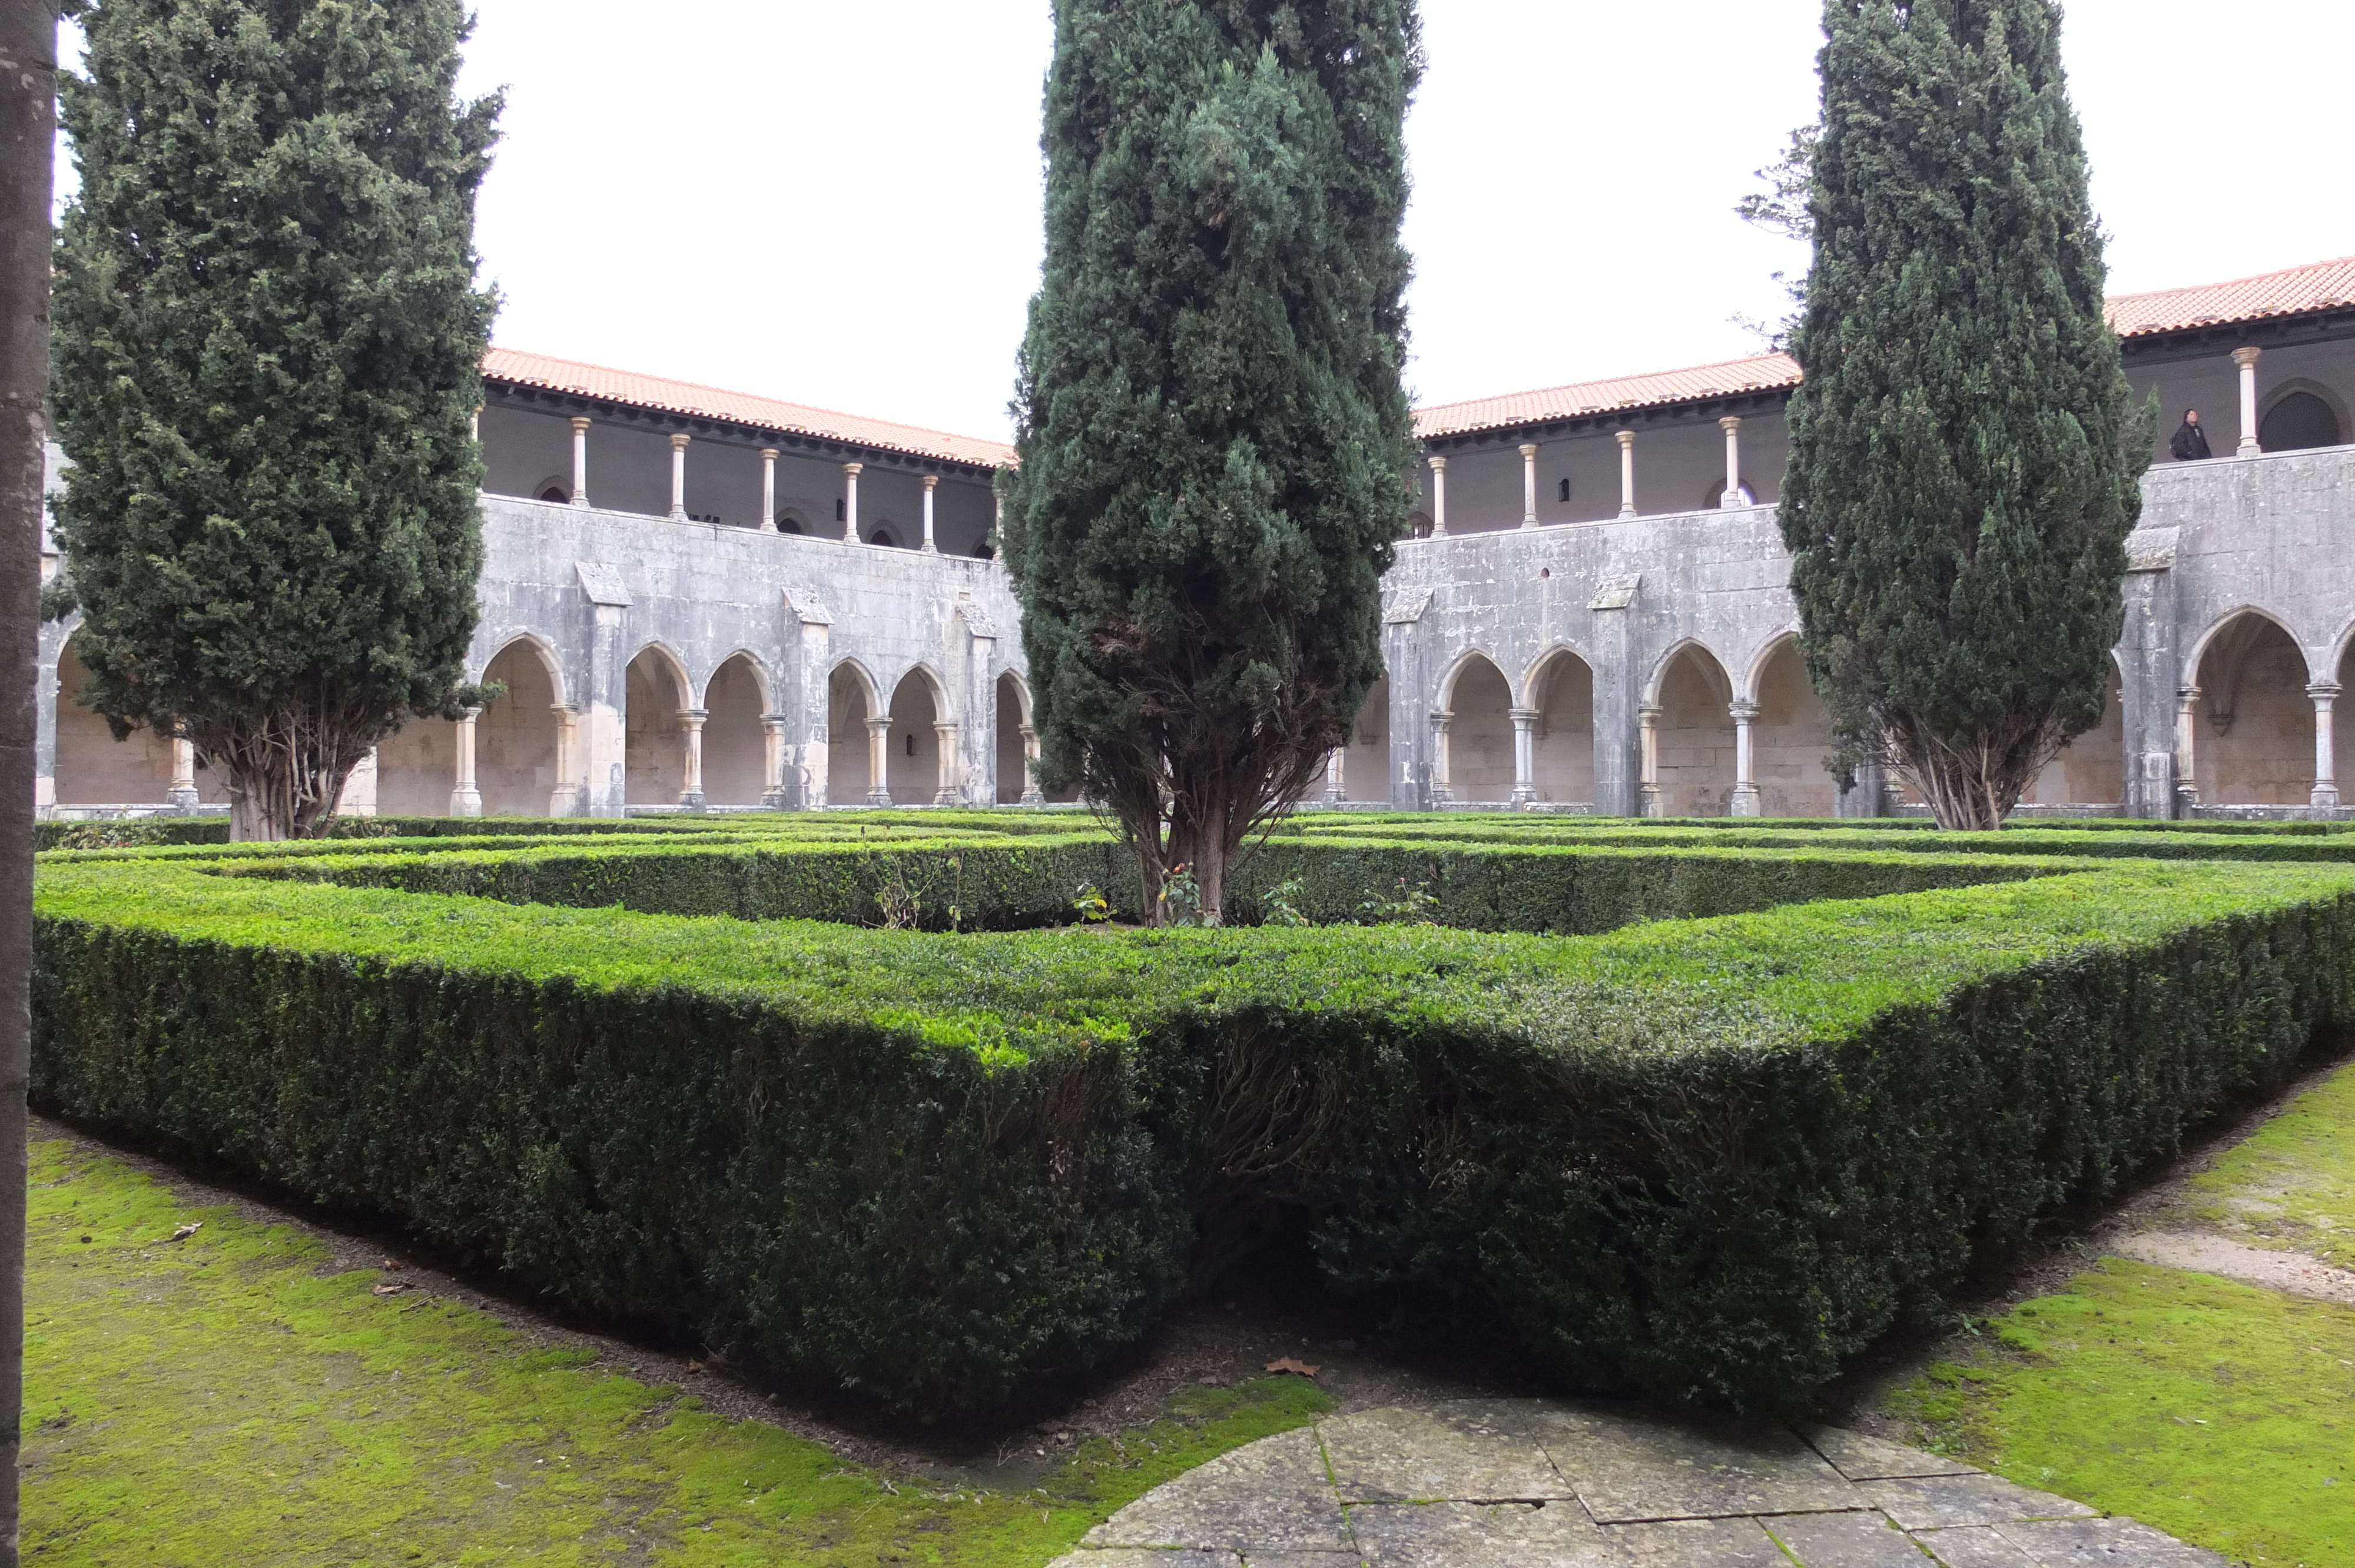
{"x":1210,"y":423}
{"x":268,"y":358}
{"x":1964,"y":457}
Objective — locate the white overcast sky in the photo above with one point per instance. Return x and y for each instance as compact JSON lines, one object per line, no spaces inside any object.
{"x":838,"y":202}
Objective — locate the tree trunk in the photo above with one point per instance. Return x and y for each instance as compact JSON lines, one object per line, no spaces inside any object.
{"x":28,"y":52}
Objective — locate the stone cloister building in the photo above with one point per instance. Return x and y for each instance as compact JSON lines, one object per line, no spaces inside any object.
{"x":706,"y":599}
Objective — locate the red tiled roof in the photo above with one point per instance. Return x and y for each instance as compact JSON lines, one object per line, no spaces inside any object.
{"x":1762,"y":373}
{"x":2317,"y":286}
{"x":738,"y":407}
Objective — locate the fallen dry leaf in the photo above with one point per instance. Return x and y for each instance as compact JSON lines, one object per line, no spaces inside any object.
{"x":393,"y":1290}
{"x":184,"y":1232}
{"x":1286,"y":1364}
{"x":693,"y":1368}
{"x":394,"y":1266}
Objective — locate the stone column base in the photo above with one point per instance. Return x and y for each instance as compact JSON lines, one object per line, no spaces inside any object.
{"x":879,"y":796}
{"x":466,"y":802}
{"x":184,"y":801}
{"x":1524,"y":795}
{"x":2325,"y":795}
{"x":949,"y":797}
{"x":774,"y":800}
{"x":1743,"y":802}
{"x":691,"y":799}
{"x":1033,"y":797}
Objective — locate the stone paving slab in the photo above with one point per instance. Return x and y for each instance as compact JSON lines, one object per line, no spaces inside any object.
{"x":1547,"y":1484}
{"x":1846,"y":1540}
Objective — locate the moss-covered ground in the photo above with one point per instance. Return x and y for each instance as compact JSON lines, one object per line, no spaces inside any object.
{"x":220,"y":1399}
{"x":2222,"y":1413}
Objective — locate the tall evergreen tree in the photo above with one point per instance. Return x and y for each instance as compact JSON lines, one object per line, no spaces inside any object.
{"x":1963,"y":454}
{"x":1210,"y":422}
{"x":268,"y":355}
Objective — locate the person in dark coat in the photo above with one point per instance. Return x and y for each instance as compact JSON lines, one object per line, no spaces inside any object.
{"x":2189,"y":442}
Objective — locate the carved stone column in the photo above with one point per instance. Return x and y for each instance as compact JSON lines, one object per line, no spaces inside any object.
{"x":2246,"y":358}
{"x":1031,"y":794}
{"x":1733,"y":496}
{"x":1525,"y":755}
{"x":2187,"y":771}
{"x":1439,"y":498}
{"x":564,"y":801}
{"x":2326,"y":758}
{"x":1441,"y":790}
{"x":580,"y":460}
{"x":932,"y":481}
{"x":465,"y":799}
{"x":1627,"y":472}
{"x":691,"y":797}
{"x":1528,"y":484}
{"x":1647,"y":753}
{"x":878,"y":761}
{"x":948,"y":734}
{"x":773,"y":794}
{"x":1744,"y":799}
{"x":850,"y":502}
{"x":182,"y":795}
{"x":1333,"y":762}
{"x":678,"y":478}
{"x":768,"y":490}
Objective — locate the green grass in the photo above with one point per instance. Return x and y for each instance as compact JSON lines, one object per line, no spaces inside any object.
{"x":2219,"y":1413}
{"x":221,"y":1401}
{"x":2292,"y":1185}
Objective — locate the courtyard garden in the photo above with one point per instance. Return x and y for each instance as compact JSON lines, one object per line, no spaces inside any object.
{"x":908,"y":1109}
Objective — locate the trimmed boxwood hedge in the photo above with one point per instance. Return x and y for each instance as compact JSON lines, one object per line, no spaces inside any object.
{"x":974,"y":883}
{"x":1706,"y":1158}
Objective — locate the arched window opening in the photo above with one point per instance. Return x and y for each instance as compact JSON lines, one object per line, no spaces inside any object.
{"x":1562,"y":744}
{"x":1694,"y":747}
{"x":1479,"y":738}
{"x":2298,"y":421}
{"x":1717,"y":494}
{"x":883,"y":536}
{"x":2252,"y":728}
{"x":554,"y":495}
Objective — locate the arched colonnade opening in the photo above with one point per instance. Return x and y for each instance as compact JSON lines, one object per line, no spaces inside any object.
{"x":1473,"y":758}
{"x":655,"y":731}
{"x":737,"y":749}
{"x":2254,"y":726}
{"x":1791,"y":735}
{"x":1560,"y":720}
{"x":1687,"y":738}
{"x":93,"y":769}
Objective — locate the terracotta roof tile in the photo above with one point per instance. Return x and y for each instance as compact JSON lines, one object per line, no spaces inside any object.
{"x":2318,"y":286}
{"x":1762,"y":373}
{"x":738,"y":407}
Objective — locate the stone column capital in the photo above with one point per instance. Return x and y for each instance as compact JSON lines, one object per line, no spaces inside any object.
{"x":1523,"y":715}
{"x":769,"y":454}
{"x":1528,"y":449}
{"x":931,"y":481}
{"x":678,"y":442}
{"x":1730,"y":424}
{"x":2187,"y":696}
{"x":1438,"y":465}
{"x":2322,"y":691}
{"x":2246,"y":356}
{"x":693,"y":718}
{"x":1647,"y":714}
{"x":879,"y":726}
{"x":581,"y":422}
{"x":852,"y":468}
{"x":471,"y":716}
{"x":1742,"y":713}
{"x":1626,"y":438}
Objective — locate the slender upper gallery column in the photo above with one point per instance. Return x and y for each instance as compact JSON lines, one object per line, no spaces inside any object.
{"x":182,"y":795}
{"x":879,"y":758}
{"x":932,"y":481}
{"x":2326,"y":763}
{"x":1732,"y":428}
{"x":2187,"y":770}
{"x":691,"y":721}
{"x":949,"y":733}
{"x":2246,"y":358}
{"x":1745,"y":802}
{"x":850,"y":502}
{"x":1031,"y":794}
{"x":1438,"y":497}
{"x":465,"y":799}
{"x":1528,"y":484}
{"x":768,"y":490}
{"x":1525,"y":755}
{"x":1333,"y":776}
{"x":678,"y":478}
{"x":1627,"y":472}
{"x":580,"y":460}
{"x":1648,"y":729}
{"x":1440,"y":792}
{"x":773,"y":762}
